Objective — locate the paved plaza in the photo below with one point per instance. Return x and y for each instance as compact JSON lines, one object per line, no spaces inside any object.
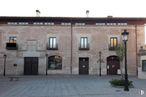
{"x":68,"y":86}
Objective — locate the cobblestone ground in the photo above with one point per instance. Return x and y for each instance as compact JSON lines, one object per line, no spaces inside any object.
{"x":68,"y":86}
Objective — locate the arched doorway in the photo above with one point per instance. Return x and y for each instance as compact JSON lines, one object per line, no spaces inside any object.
{"x":113,"y":64}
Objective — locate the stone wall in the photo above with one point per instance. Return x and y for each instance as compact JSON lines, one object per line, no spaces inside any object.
{"x":32,"y":41}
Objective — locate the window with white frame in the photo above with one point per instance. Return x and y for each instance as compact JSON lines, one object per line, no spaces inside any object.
{"x":53,"y":43}
{"x":84,"y":43}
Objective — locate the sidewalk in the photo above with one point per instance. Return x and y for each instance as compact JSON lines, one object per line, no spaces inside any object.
{"x":67,"y":86}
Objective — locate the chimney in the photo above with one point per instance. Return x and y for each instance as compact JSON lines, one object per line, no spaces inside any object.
{"x":110,"y":16}
{"x":87,"y":13}
{"x":38,"y":13}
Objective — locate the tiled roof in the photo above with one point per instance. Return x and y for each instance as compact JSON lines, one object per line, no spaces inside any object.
{"x":73,"y":19}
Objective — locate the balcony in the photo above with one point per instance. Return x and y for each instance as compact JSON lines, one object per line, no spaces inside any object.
{"x":11,"y":46}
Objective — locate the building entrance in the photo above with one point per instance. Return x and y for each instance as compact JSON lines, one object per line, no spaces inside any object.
{"x":30,"y":65}
{"x":113,"y":64}
{"x":83,"y":65}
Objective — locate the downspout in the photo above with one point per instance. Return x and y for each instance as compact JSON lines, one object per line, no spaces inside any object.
{"x":136,"y":50}
{"x":46,"y":64}
{"x":71,"y":50}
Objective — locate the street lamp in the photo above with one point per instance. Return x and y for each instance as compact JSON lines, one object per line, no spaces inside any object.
{"x":4,"y":72}
{"x":125,"y":39}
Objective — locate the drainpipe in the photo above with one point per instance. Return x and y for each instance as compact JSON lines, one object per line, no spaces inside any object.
{"x":46,"y":64}
{"x":136,"y":50}
{"x":4,"y":72}
{"x":71,"y":47}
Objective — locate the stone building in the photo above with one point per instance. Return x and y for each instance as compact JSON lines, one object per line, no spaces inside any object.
{"x":67,"y":45}
{"x":142,"y":63}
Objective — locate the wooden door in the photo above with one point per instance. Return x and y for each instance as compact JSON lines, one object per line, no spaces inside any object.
{"x":83,"y":65}
{"x":30,"y":65}
{"x":113,"y":64}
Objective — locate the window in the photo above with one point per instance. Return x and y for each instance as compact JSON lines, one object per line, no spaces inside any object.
{"x":54,"y":62}
{"x":23,"y":23}
{"x":53,"y":43}
{"x":111,"y":24}
{"x":100,"y":24}
{"x":122,"y":24}
{"x":66,"y":24}
{"x":12,"y":23}
{"x":84,"y":43}
{"x":113,"y":43}
{"x":12,"y":44}
{"x":80,"y":24}
{"x":143,"y":65}
{"x":49,"y":23}
{"x":12,"y":39}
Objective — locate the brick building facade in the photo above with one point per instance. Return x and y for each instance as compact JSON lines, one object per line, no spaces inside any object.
{"x":67,"y":45}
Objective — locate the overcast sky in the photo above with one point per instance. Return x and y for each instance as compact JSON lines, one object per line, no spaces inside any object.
{"x":74,"y":8}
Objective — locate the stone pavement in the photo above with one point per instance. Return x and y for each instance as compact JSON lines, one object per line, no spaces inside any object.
{"x":68,"y":86}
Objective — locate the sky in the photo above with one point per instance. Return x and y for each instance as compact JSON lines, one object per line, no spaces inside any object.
{"x":74,"y":8}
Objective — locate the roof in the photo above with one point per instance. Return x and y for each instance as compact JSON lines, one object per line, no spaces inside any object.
{"x":110,"y":19}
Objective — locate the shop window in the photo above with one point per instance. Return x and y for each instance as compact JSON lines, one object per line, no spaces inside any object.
{"x":143,"y":65}
{"x":54,"y":62}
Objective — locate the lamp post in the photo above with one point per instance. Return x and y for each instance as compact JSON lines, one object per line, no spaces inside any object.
{"x":4,"y":73}
{"x":125,"y":39}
